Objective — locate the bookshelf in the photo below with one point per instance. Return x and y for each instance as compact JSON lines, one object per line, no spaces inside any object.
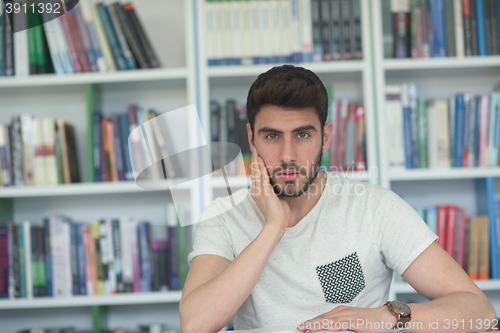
{"x":72,"y":98}
{"x":435,"y":78}
{"x":351,"y":79}
{"x":186,"y":79}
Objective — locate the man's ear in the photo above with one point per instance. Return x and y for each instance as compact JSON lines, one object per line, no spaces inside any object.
{"x":250,"y":134}
{"x":327,"y":136}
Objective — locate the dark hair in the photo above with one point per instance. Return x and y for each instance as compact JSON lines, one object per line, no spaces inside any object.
{"x":289,"y":87}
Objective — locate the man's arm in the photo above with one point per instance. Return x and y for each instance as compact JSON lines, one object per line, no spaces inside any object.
{"x":455,"y":298}
{"x":456,"y":303}
{"x":215,"y":288}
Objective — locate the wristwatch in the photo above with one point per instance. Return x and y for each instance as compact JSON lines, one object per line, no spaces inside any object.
{"x":401,"y":310}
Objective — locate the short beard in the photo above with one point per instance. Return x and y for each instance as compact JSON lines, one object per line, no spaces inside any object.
{"x":282,"y":192}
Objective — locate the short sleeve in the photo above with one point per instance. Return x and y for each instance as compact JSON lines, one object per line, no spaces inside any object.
{"x":403,"y":234}
{"x":212,"y":237}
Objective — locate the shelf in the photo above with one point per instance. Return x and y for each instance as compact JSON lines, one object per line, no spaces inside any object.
{"x":134,"y":75}
{"x":78,"y":301}
{"x":440,"y":63}
{"x":240,"y":181}
{"x":255,"y":70}
{"x":80,"y":189}
{"x":485,"y":285}
{"x":452,"y":173}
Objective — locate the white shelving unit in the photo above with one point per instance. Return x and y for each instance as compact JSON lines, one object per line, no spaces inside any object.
{"x":65,"y":97}
{"x":186,"y":79}
{"x":350,"y":79}
{"x":436,"y":78}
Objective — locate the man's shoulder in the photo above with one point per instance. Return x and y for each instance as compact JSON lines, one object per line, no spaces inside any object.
{"x":236,"y":201}
{"x":342,"y":184}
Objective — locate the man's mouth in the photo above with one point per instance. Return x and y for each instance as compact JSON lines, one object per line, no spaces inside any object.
{"x":288,"y":174}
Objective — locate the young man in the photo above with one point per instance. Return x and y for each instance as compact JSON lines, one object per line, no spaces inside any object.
{"x":313,"y":249}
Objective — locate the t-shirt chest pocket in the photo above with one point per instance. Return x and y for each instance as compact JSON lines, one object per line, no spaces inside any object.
{"x":341,"y":280}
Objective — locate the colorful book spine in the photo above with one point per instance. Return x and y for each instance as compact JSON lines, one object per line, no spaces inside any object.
{"x":4,"y":263}
{"x":112,"y":38}
{"x":144,"y":257}
{"x":481,"y":33}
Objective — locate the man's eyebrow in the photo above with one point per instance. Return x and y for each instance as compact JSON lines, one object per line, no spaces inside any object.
{"x":277,"y":131}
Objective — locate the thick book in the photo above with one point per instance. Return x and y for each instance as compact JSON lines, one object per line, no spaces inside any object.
{"x":97,"y":139}
{"x":105,"y":151}
{"x":442,"y":135}
{"x":22,"y":262}
{"x":347,"y":47}
{"x":422,"y":133}
{"x":350,"y":138}
{"x":401,"y":29}
{"x":4,"y":263}
{"x":117,"y":256}
{"x":438,"y":28}
{"x":49,"y":289}
{"x":441,"y":225}
{"x":88,"y":21}
{"x":122,"y":41}
{"x":71,"y":43}
{"x":103,"y":42}
{"x":16,"y":150}
{"x":132,"y":36}
{"x":484,"y":248}
{"x":8,"y":44}
{"x":450,"y":229}
{"x":336,"y":29}
{"x":481,"y":30}
{"x":461,"y":238}
{"x":85,"y":39}
{"x":118,"y":147}
{"x":317,"y":31}
{"x":74,"y":35}
{"x":124,"y":130}
{"x":467,"y":20}
{"x":326,"y":29}
{"x":75,"y":277}
{"x":126,"y":255}
{"x":49,"y":157}
{"x":459,"y":129}
{"x":111,"y":37}
{"x":136,"y":264}
{"x":459,"y":28}
{"x":449,"y":16}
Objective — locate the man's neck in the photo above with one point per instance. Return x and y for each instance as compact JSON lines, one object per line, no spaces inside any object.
{"x":302,"y":205}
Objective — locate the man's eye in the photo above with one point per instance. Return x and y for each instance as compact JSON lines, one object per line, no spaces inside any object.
{"x":303,"y":135}
{"x":271,"y":136}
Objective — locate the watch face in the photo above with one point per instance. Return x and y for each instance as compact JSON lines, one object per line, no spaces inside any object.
{"x":401,"y":307}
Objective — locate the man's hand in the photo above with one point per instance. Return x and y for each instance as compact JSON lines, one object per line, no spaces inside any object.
{"x":275,"y":210}
{"x":350,"y":318}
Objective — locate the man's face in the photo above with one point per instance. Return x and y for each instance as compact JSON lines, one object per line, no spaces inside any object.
{"x":291,"y":143}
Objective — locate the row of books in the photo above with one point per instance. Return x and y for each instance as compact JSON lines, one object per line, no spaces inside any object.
{"x":277,"y":31}
{"x":462,"y":131}
{"x":37,"y":151}
{"x":60,"y":258}
{"x":88,"y":38}
{"x":465,"y":239}
{"x":347,"y":150}
{"x":120,"y":152}
{"x":444,"y":28}
{"x":228,"y":123}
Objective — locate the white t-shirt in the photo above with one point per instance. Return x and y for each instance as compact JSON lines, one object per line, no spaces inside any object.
{"x":343,"y":251}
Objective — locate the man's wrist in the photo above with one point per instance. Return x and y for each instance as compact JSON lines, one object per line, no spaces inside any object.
{"x":274,"y":230}
{"x":389,"y":316}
